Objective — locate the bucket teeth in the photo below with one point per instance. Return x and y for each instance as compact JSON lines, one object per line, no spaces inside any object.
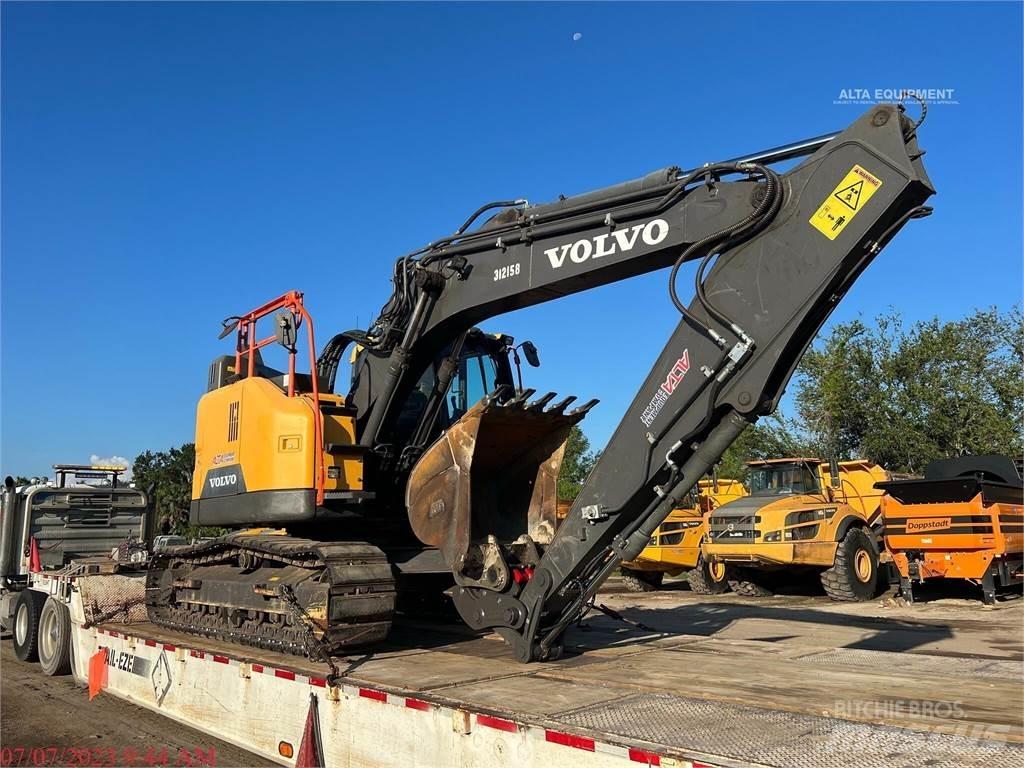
{"x":499,"y":395}
{"x":561,"y":404}
{"x":582,"y":410}
{"x":538,"y":405}
{"x":520,"y":399}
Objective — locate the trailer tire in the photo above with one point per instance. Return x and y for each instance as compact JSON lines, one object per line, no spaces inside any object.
{"x":55,"y":638}
{"x":641,"y":581}
{"x":854,"y":575}
{"x":25,"y":629}
{"x":749,"y":584}
{"x":708,"y":578}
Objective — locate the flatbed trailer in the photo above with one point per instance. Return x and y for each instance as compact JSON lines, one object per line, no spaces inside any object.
{"x":440,"y":695}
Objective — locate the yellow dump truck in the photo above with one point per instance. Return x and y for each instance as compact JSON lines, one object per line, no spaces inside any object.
{"x":802,"y":514}
{"x":675,"y":545}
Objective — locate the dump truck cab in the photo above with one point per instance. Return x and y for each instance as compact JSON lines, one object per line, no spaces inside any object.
{"x":675,"y":544}
{"x":802,"y":513}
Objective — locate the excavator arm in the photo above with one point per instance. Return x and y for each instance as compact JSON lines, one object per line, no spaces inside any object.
{"x":776,"y":253}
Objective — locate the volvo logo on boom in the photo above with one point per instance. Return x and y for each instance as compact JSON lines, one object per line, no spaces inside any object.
{"x":617,"y":241}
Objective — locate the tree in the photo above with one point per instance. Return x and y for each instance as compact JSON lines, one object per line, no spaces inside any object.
{"x":903,"y":397}
{"x":167,"y":477}
{"x":577,"y":461}
{"x":773,"y":437}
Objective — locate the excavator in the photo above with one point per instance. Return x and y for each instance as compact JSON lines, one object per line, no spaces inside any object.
{"x":343,"y":501}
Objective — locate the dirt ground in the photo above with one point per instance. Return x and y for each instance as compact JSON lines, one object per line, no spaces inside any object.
{"x":824,"y":650}
{"x":54,"y":715}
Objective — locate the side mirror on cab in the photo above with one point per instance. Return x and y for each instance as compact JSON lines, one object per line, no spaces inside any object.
{"x":530,"y":352}
{"x":833,"y":471}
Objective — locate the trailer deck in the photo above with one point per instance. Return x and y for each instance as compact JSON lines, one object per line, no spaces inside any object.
{"x":752,"y":683}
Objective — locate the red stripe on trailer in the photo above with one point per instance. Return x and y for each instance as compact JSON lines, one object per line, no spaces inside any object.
{"x":422,"y":706}
{"x":368,"y":693}
{"x":497,"y":723}
{"x":112,"y":634}
{"x":284,"y":673}
{"x":220,"y":659}
{"x":257,"y":667}
{"x":319,"y":682}
{"x":568,"y":740}
{"x":197,"y":654}
{"x":649,"y":758}
{"x":151,"y":643}
{"x":169,"y":647}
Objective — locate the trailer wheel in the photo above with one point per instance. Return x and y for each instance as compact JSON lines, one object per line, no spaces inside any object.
{"x":55,"y":638}
{"x":26,"y":624}
{"x":749,"y":583}
{"x":708,"y":578}
{"x":641,"y":581}
{"x":854,"y":576}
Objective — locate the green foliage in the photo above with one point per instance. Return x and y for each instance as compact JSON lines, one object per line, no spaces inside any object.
{"x":22,"y":480}
{"x":577,"y":462}
{"x":167,"y":477}
{"x":773,"y":437}
{"x":903,"y":397}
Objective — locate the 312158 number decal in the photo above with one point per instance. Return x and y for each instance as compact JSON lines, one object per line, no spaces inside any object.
{"x":509,"y":270}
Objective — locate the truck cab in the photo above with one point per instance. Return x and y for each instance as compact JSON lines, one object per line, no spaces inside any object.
{"x":802,"y":514}
{"x":85,"y":515}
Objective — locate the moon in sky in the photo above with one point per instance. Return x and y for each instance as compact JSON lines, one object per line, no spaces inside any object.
{"x":577,"y":36}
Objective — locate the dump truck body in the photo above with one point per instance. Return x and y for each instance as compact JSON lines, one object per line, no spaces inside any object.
{"x":964,"y":520}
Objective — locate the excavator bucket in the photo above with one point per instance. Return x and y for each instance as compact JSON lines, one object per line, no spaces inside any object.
{"x":494,"y":473}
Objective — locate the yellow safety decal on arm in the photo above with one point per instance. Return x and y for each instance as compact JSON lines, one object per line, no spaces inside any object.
{"x":845,"y":201}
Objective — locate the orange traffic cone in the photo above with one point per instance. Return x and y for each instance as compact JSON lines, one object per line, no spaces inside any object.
{"x":35,"y":565}
{"x":310,"y":749}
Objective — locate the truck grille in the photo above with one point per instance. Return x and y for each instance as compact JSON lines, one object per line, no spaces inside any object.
{"x":730,"y":528}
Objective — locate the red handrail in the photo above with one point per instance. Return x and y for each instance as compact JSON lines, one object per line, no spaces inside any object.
{"x":245,"y":345}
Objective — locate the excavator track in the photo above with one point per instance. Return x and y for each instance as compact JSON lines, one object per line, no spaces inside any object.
{"x":275,"y":592}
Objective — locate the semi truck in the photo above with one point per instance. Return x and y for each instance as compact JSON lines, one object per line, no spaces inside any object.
{"x":85,"y":515}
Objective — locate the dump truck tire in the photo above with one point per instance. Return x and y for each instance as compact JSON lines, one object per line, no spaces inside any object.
{"x":854,"y":576}
{"x":642,"y":581}
{"x":25,"y":629}
{"x":55,"y":638}
{"x":749,"y":584}
{"x":703,"y":579}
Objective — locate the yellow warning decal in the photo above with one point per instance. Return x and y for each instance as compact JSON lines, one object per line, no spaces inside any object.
{"x":845,"y":201}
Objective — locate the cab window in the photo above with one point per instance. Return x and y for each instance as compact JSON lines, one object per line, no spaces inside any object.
{"x":476,"y":377}
{"x":781,"y":479}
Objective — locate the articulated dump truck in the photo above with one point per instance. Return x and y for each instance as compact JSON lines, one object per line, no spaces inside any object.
{"x":675,"y":544}
{"x":963,"y":520}
{"x":433,"y":466}
{"x":802,"y":515}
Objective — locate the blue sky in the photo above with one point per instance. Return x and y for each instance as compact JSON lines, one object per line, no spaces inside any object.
{"x":165,"y":165}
